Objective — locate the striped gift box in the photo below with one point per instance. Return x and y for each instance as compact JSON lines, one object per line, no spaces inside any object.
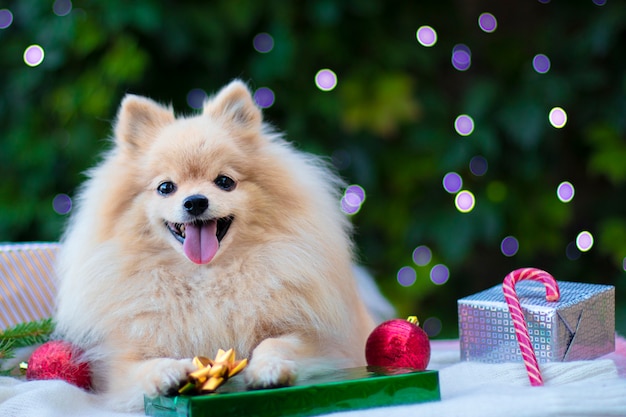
{"x":27,"y":283}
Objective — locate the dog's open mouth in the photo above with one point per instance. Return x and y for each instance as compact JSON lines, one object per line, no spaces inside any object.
{"x":200,"y":239}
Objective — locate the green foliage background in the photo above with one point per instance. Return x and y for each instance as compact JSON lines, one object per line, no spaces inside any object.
{"x":388,"y":125}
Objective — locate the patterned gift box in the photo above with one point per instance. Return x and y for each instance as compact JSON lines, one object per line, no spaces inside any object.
{"x":27,"y":282}
{"x":580,"y":326}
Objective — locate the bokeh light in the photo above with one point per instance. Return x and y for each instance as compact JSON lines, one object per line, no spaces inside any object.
{"x":196,"y":98}
{"x":263,"y":43}
{"x":465,"y":201}
{"x":439,"y":274}
{"x":584,"y":241}
{"x":6,"y":18}
{"x":33,"y":55}
{"x":426,"y":36}
{"x":62,"y":204}
{"x":62,"y":7}
{"x":406,"y":276}
{"x":565,"y":191}
{"x":432,"y":326}
{"x":452,"y":182}
{"x":487,"y":22}
{"x":557,"y":117}
{"x":599,"y":2}
{"x":464,"y":125}
{"x":357,"y":192}
{"x":541,"y":63}
{"x":461,"y":57}
{"x":572,"y":252}
{"x":348,"y":208}
{"x":353,"y":198}
{"x":264,"y":97}
{"x":478,"y":165}
{"x":326,"y":80}
{"x":422,"y":255}
{"x":509,"y":246}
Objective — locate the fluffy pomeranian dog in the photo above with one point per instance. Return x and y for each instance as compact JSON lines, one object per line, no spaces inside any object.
{"x":207,"y":232}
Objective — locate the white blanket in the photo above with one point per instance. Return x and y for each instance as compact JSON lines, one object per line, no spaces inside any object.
{"x":590,"y":388}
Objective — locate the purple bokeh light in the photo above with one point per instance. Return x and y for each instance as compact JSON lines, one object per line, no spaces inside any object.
{"x":584,"y":241}
{"x":422,"y":255}
{"x":33,"y":55}
{"x":464,"y":125}
{"x":452,"y":182}
{"x":487,"y":22}
{"x":348,"y":208}
{"x":461,"y":57}
{"x":509,"y":246}
{"x":326,"y":80}
{"x":432,"y":326}
{"x":572,"y":252}
{"x":62,"y":7}
{"x":264,"y":97}
{"x":426,"y":36}
{"x":465,"y":201}
{"x":353,"y":198}
{"x":357,"y":191}
{"x":196,"y":98}
{"x":6,"y":18}
{"x":439,"y":274}
{"x":62,"y":204}
{"x":565,"y":192}
{"x":478,"y":165}
{"x":406,"y":276}
{"x":557,"y":117}
{"x":263,"y":43}
{"x":541,"y":63}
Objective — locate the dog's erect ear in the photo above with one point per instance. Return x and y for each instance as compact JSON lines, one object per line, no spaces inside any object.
{"x":139,"y":119}
{"x":235,"y":105}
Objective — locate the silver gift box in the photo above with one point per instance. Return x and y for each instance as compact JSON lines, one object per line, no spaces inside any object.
{"x":580,"y":326}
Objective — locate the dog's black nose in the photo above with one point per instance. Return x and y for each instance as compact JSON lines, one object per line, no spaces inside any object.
{"x":195,"y":204}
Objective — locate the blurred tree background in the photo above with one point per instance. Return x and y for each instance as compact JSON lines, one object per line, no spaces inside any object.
{"x":388,"y":124}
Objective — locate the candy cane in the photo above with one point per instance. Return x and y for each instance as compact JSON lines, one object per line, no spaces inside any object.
{"x":521,"y":329}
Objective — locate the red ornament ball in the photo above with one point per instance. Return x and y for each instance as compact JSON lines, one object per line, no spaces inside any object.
{"x":398,"y":343}
{"x":58,"y":359}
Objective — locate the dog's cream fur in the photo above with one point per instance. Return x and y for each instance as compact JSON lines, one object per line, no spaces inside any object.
{"x":280,"y":289}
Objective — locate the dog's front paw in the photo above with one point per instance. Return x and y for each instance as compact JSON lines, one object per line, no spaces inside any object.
{"x":270,"y":371}
{"x":163,"y":375}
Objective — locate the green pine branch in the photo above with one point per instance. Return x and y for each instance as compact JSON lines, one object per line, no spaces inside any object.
{"x":6,"y":349}
{"x":27,"y":334}
{"x":22,"y":335}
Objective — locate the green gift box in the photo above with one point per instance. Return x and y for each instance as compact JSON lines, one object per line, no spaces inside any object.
{"x":341,"y":390}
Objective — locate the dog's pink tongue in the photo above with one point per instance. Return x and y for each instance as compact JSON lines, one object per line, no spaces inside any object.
{"x":201,"y":244}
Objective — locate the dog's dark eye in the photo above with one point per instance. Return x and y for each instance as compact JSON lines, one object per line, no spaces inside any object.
{"x":225,"y":183}
{"x":166,"y":187}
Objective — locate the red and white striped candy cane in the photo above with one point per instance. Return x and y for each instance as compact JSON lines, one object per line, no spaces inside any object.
{"x":521,"y":329}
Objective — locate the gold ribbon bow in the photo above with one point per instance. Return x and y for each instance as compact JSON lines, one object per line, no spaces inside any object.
{"x":212,"y":373}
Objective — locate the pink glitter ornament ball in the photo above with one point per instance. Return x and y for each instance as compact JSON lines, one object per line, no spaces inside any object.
{"x":59,"y":360}
{"x":398,"y":343}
